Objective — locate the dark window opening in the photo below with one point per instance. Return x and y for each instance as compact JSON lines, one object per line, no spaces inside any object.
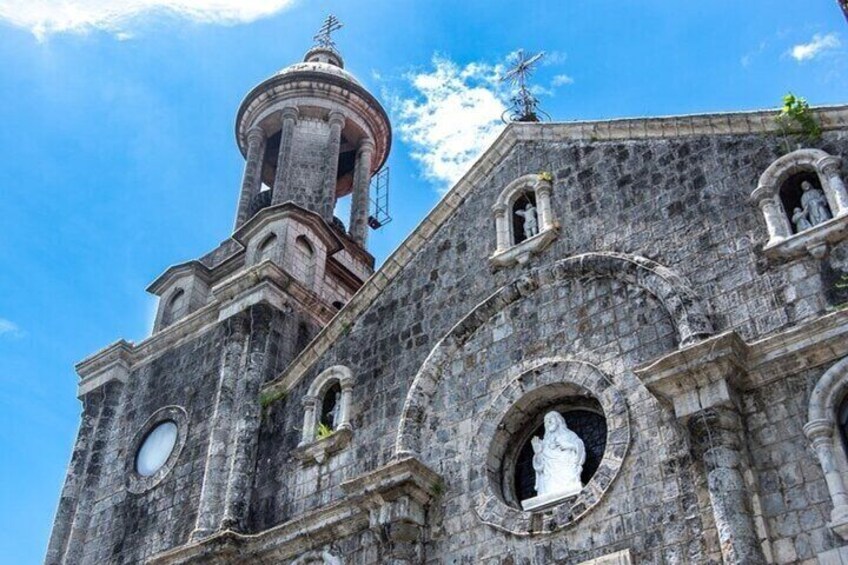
{"x":269,"y":160}
{"x":518,"y":216}
{"x":791,"y":192}
{"x":842,"y":423}
{"x":590,"y":426}
{"x":330,"y":406}
{"x":338,"y":305}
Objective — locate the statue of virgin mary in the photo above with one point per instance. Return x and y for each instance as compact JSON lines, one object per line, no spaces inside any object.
{"x":558,"y":459}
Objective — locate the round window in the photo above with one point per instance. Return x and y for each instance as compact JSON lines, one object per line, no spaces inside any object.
{"x":155,"y":449}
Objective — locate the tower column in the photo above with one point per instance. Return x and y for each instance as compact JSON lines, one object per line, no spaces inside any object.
{"x":252,"y":179}
{"x":288,"y":118}
{"x":361,"y":193}
{"x":336,"y":121}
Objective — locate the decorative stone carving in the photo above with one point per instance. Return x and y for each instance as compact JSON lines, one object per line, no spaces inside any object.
{"x":558,"y":461}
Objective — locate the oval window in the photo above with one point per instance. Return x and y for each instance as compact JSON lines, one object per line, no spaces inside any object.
{"x":156,"y":448}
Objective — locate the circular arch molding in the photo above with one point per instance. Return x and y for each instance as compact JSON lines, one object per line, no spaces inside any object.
{"x":682,"y":304}
{"x":541,"y":380}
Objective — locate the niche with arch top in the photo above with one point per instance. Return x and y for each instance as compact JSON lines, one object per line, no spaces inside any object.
{"x":305,"y":260}
{"x":267,"y":248}
{"x":174,"y":308}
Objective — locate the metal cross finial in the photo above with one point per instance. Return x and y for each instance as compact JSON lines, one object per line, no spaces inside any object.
{"x":324,"y":36}
{"x":524,"y":104}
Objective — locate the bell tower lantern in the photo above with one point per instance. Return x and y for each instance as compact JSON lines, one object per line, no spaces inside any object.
{"x":312,"y":134}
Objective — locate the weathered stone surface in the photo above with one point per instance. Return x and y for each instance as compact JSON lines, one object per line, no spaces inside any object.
{"x":701,"y":351}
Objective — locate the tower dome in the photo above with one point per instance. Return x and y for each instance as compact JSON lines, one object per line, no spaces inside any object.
{"x":311,"y":133}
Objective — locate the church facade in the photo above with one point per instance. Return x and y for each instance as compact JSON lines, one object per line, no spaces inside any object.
{"x":611,"y":342}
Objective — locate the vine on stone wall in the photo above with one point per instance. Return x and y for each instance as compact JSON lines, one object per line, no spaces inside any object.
{"x":797,"y":118}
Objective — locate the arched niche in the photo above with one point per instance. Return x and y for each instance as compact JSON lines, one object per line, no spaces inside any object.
{"x":524,"y":221}
{"x":800,"y":223}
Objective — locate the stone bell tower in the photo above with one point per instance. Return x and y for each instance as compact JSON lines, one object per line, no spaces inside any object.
{"x":166,"y":450}
{"x":311,"y":134}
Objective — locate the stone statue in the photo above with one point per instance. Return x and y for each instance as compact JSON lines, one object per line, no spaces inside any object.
{"x":330,"y":559}
{"x":531,"y":222}
{"x":334,"y":413}
{"x":799,"y":219}
{"x":558,"y":459}
{"x":815,"y":204}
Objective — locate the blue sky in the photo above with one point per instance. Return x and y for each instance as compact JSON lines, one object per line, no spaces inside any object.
{"x":117,"y":156}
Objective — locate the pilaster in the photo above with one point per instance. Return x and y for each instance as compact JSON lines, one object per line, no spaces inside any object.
{"x":214,"y":491}
{"x":700,"y":381}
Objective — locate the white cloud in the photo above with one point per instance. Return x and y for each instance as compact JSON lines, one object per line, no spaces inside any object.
{"x":9,"y":329}
{"x":554,"y":58}
{"x":562,"y":80}
{"x":453,"y":117}
{"x":45,"y":17}
{"x":816,"y":46}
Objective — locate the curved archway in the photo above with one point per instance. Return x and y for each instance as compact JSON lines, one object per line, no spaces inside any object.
{"x":820,"y":429}
{"x":682,"y":304}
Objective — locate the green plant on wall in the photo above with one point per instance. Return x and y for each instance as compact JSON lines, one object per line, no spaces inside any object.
{"x":323,"y":431}
{"x":796,"y":117}
{"x":268,"y":397}
{"x":842,"y":285}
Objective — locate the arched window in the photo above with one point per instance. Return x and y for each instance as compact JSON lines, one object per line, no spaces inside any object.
{"x":305,"y":260}
{"x":799,"y":194}
{"x":326,"y":414}
{"x":524,"y":223}
{"x":174,"y":307}
{"x":266,"y":248}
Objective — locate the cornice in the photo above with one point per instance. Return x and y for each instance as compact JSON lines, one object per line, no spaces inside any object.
{"x":366,"y":504}
{"x":263,"y":283}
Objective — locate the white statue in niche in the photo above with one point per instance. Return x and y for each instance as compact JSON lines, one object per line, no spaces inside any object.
{"x":334,"y":413}
{"x":558,"y":461}
{"x":815,"y":204}
{"x":531,"y":221}
{"x":799,"y":218}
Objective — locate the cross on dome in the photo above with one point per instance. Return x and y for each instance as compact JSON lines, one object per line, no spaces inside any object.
{"x":324,"y":36}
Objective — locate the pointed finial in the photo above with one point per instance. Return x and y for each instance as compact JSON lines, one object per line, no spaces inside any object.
{"x":324,"y":36}
{"x":525,"y":106}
